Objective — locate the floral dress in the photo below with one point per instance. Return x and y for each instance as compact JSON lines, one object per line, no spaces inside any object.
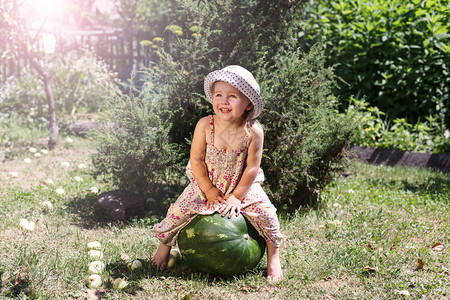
{"x":225,"y":168}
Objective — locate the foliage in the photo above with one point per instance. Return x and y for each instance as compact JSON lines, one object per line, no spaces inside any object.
{"x":80,"y":86}
{"x":377,"y":131}
{"x":395,"y":54}
{"x":299,"y":108}
{"x":305,"y":137}
{"x":135,"y":152}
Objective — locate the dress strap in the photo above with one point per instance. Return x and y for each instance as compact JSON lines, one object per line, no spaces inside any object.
{"x":211,"y":127}
{"x":248,"y":127}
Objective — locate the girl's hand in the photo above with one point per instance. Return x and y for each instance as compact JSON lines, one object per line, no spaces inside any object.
{"x":214,"y":196}
{"x":233,"y":206}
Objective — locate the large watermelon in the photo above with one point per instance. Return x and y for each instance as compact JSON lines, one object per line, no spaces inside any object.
{"x":221,"y":246}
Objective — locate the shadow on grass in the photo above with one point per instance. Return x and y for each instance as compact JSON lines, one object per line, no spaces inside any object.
{"x":89,"y":215}
{"x":179,"y":271}
{"x":435,"y":185}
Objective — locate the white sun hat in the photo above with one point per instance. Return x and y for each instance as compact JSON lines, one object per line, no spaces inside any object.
{"x":239,"y":78}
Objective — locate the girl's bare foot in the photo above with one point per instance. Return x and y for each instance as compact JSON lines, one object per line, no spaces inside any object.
{"x":159,"y":260}
{"x":274,"y":272}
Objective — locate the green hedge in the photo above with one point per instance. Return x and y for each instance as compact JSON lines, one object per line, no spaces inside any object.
{"x":396,"y":53}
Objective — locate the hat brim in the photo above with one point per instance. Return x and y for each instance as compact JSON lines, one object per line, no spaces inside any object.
{"x":237,"y":82}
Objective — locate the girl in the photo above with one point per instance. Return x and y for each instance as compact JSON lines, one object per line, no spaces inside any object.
{"x":224,"y":167}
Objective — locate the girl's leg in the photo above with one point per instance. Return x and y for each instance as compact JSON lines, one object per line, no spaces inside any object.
{"x":274,"y":272}
{"x":161,"y":257}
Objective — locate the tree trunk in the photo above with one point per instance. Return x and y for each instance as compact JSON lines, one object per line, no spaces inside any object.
{"x":47,"y":79}
{"x":51,"y":108}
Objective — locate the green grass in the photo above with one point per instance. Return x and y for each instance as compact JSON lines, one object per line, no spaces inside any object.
{"x":381,"y":217}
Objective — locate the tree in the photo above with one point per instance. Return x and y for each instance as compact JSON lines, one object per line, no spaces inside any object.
{"x":20,"y":41}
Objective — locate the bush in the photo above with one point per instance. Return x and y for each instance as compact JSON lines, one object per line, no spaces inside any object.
{"x":304,"y":133}
{"x":305,"y":137}
{"x":395,"y":54}
{"x":135,"y":152}
{"x":80,"y":86}
{"x":429,"y":135}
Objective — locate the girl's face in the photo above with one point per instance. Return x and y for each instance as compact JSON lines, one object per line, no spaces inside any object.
{"x":229,"y":103}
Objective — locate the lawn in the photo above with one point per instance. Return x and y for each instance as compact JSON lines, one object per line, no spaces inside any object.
{"x":379,"y":233}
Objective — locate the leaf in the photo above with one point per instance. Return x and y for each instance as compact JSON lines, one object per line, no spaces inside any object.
{"x":124,"y":257}
{"x":438,"y":247}
{"x":371,"y":269}
{"x":421,"y":264}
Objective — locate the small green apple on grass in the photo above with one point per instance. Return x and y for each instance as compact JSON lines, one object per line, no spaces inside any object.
{"x":26,"y":225}
{"x":94,"y":245}
{"x":96,"y":267}
{"x":95,"y":254}
{"x":94,"y":281}
{"x":135,"y":264}
{"x":119,"y":284}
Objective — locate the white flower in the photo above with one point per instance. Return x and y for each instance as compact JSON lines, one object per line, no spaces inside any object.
{"x":37,"y":154}
{"x":96,"y":267}
{"x":337,"y":205}
{"x":135,"y":264}
{"x":26,"y":225}
{"x":32,"y":150}
{"x":447,"y":133}
{"x":94,"y":281}
{"x":78,"y":178}
{"x":81,"y":166}
{"x":119,"y":284}
{"x":27,"y":160}
{"x":69,"y":140}
{"x":44,"y":151}
{"x":59,"y":191}
{"x":13,"y":174}
{"x":93,"y":190}
{"x":49,"y":181}
{"x":95,"y":254}
{"x":65,"y":164}
{"x":47,"y":205}
{"x":94,"y":245}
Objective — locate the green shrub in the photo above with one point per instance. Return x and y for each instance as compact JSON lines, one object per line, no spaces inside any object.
{"x":80,"y":85}
{"x":135,"y":151}
{"x":395,"y":54}
{"x":305,"y":137}
{"x":429,"y":135}
{"x":304,"y":133}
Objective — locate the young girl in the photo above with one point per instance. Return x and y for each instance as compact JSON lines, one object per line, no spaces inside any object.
{"x":224,"y":167}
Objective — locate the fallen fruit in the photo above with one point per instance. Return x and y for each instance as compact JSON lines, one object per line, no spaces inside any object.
{"x":94,"y":281}
{"x":95,"y":254}
{"x":135,"y":264}
{"x":119,"y":284}
{"x":26,"y":225}
{"x":174,"y":257}
{"x":94,"y":245}
{"x":47,"y":205}
{"x":96,"y":267}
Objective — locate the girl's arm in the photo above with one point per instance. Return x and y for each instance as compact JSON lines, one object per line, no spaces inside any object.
{"x":198,"y":152}
{"x":251,"y":169}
